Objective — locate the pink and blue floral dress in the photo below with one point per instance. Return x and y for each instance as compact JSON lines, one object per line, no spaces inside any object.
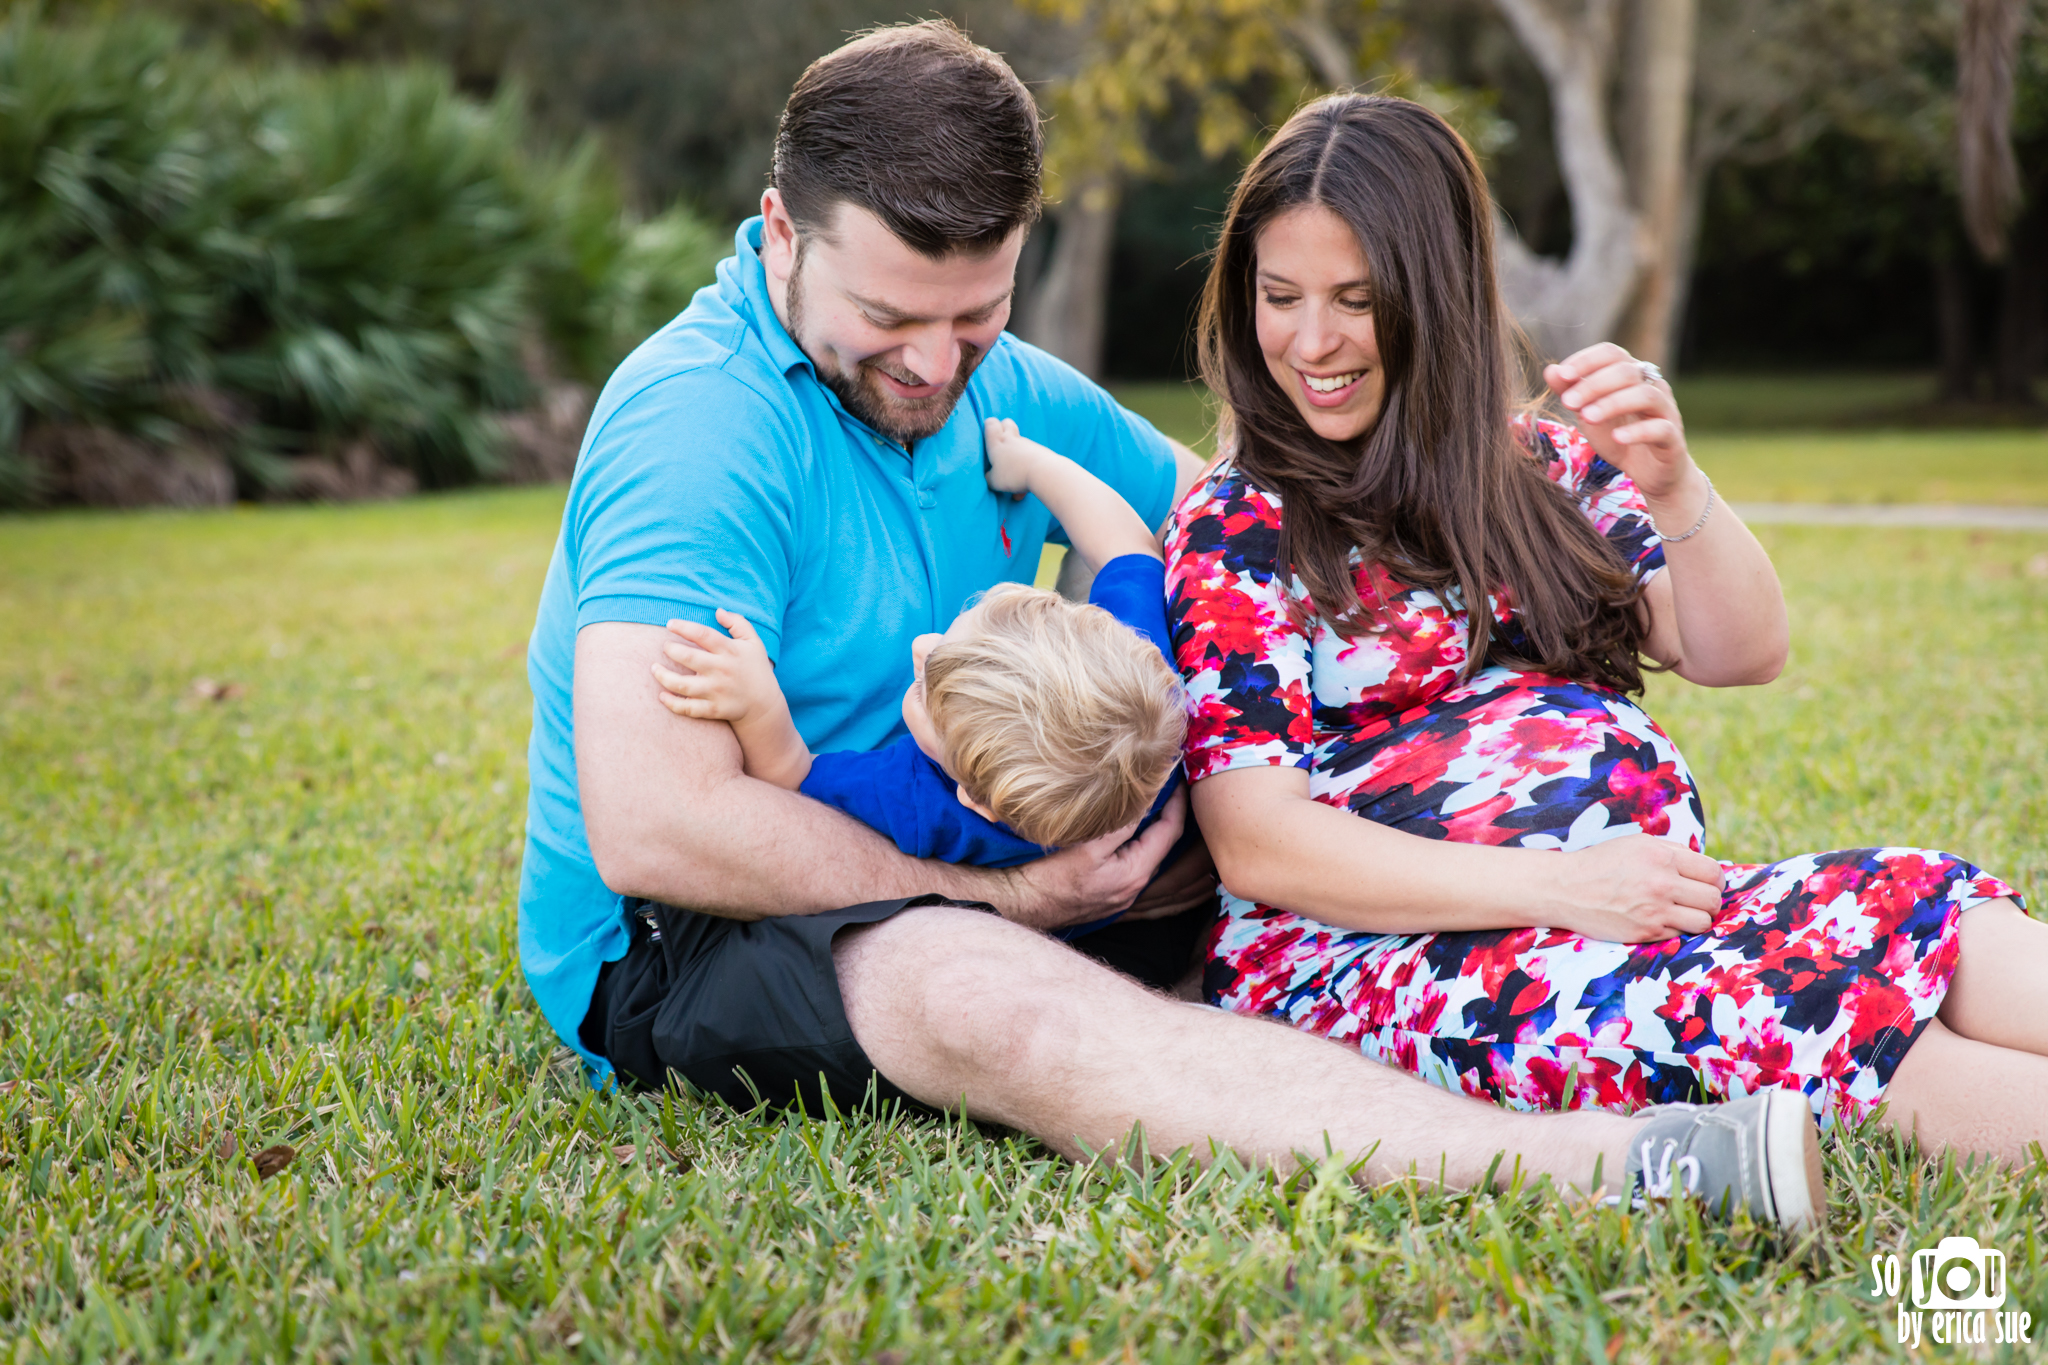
{"x":1818,"y":973}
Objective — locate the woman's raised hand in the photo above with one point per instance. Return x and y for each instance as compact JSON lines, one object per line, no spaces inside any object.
{"x":1631,"y":420}
{"x":1637,"y":889}
{"x":1718,"y":616}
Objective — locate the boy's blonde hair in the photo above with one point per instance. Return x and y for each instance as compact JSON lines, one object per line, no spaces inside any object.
{"x":1058,"y":717}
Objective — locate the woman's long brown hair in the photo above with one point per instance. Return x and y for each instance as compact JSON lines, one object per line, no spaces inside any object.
{"x":1438,"y":491}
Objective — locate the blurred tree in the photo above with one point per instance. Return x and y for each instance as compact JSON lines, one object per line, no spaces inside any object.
{"x":1229,"y":69}
{"x":1144,"y":92}
{"x":1140,"y":55}
{"x":1657,"y":95}
{"x":1987,"y":50}
{"x":1129,"y":63}
{"x":686,"y":93}
{"x":1836,"y":232}
{"x":1574,"y":301}
{"x":2022,"y":343}
{"x":1931,"y":86}
{"x":1754,"y":69}
{"x":1988,"y":169}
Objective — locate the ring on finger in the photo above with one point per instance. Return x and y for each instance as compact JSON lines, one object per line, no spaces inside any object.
{"x":1651,"y":373}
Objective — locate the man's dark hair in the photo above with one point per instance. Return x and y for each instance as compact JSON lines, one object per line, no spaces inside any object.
{"x":932,"y":134}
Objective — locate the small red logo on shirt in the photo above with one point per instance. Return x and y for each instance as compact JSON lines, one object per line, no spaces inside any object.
{"x":1006,"y":539}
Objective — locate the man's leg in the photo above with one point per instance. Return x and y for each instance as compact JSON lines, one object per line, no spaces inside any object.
{"x":951,"y":1004}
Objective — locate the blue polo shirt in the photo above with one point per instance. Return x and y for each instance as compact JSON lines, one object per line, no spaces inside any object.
{"x":718,"y":472}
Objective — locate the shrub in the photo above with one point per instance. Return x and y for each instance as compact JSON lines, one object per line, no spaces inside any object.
{"x":203,"y":263}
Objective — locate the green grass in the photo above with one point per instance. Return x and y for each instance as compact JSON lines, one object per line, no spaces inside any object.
{"x":2002,"y":466}
{"x":1778,"y":402}
{"x":286,"y":916}
{"x":1182,"y":411}
{"x":2006,"y":467}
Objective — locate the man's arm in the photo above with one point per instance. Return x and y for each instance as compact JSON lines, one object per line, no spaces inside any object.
{"x":672,"y":816}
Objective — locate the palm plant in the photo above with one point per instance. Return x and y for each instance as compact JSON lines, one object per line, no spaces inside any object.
{"x":291,"y":262}
{"x":110,"y":177}
{"x":376,"y":278}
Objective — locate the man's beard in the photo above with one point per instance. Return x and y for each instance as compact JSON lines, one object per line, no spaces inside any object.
{"x":907,"y":420}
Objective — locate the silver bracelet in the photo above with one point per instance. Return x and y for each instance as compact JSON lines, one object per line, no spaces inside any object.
{"x":1705,"y":512}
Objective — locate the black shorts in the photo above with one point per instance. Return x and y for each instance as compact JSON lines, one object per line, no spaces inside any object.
{"x":750,"y":1009}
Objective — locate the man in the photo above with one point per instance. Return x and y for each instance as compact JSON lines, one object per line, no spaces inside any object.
{"x":803,"y":446}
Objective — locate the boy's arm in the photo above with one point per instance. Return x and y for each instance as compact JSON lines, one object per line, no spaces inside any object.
{"x":1100,"y":525}
{"x":897,"y":791}
{"x":731,"y":679}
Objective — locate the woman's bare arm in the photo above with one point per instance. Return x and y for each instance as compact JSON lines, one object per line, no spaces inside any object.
{"x":1717,"y":614}
{"x":1275,"y":845}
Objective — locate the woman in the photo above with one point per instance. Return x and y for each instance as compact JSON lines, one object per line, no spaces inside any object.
{"x":1450,"y":838}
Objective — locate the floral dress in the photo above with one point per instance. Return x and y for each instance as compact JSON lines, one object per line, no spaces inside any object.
{"x":1818,"y":973}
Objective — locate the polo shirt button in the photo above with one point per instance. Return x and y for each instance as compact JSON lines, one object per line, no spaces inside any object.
{"x":927,"y":498}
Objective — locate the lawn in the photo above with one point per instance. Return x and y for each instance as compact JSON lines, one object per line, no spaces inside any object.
{"x":261,"y":784}
{"x":1837,"y":464}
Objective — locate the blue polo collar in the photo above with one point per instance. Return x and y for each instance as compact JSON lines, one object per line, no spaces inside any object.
{"x":752,"y":278}
{"x":754,"y":304}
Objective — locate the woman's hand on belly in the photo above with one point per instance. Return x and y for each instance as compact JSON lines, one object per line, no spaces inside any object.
{"x":1636,"y":889}
{"x":1276,"y":845}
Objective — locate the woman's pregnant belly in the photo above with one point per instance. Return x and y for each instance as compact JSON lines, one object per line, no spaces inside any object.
{"x":1516,"y":758}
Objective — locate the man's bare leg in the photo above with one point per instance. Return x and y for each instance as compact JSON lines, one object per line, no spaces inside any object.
{"x":953,"y":1004}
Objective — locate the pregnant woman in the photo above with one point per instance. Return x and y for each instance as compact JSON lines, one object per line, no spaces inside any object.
{"x":1447,"y":836}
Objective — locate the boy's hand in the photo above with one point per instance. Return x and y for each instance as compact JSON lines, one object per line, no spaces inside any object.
{"x":1100,"y":525}
{"x":1011,"y":458}
{"x":729,"y":677}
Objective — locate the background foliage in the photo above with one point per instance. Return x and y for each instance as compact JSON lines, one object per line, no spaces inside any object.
{"x":265,"y":261}
{"x":342,"y":247}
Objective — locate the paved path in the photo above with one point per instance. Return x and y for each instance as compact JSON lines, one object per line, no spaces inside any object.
{"x":1963,"y":515}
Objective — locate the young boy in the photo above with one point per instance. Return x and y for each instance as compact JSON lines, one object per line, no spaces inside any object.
{"x":1034,"y":722}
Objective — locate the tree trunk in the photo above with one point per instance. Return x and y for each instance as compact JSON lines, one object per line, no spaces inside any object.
{"x":1952,"y":329}
{"x":1567,"y":304}
{"x":1068,"y":310}
{"x":2020,"y":309}
{"x":1987,"y":53}
{"x":1657,"y":104}
{"x":1686,"y":249}
{"x":1324,"y":47}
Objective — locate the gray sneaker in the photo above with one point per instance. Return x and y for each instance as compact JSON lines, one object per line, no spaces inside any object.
{"x":1759,"y":1152}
